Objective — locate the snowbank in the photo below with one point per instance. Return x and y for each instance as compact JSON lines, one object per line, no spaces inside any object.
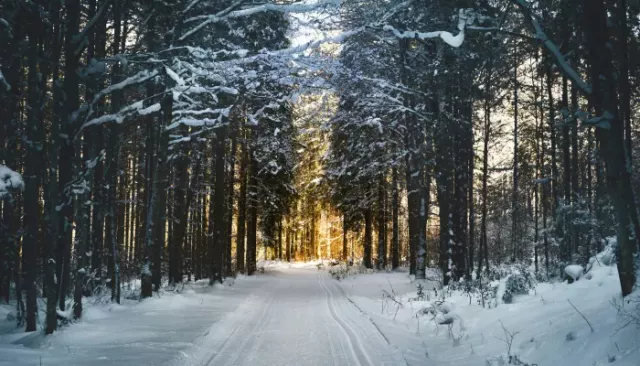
{"x":541,"y":328}
{"x":150,"y":332}
{"x":269,"y":265}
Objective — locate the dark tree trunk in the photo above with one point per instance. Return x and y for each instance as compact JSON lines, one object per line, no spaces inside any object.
{"x":368,"y":238}
{"x":345,"y":254}
{"x":472,"y":207}
{"x":395,"y":235}
{"x":219,"y":226}
{"x":252,"y":213}
{"x":230,"y":196}
{"x":242,"y":207}
{"x":180,"y":214}
{"x":160,"y":180}
{"x":604,"y":100}
{"x":413,"y":163}
{"x":514,"y":198}
{"x":67,"y":157}
{"x":32,"y":173}
{"x":483,"y":252}
{"x":382,"y":240}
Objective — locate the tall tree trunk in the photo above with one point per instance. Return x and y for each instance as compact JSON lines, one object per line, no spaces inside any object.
{"x":395,"y":235}
{"x":368,"y":238}
{"x":483,"y":251}
{"x":413,"y":161}
{"x":32,"y":173}
{"x":623,"y":75}
{"x":552,"y":129}
{"x":382,"y":242}
{"x":242,"y":207}
{"x":345,"y":254}
{"x":219,"y":226}
{"x":114,"y":233}
{"x":472,"y":207}
{"x":67,"y":157}
{"x":514,"y":198}
{"x":252,"y":213}
{"x":230,"y":196}
{"x":604,"y":100}
{"x":181,"y":213}
{"x":160,"y":181}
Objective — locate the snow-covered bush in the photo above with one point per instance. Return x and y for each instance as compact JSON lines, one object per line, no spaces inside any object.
{"x":9,"y":181}
{"x":573,"y":272}
{"x":345,"y":270}
{"x":487,"y":293}
{"x":519,"y":282}
{"x":420,"y":295}
{"x":605,"y":258}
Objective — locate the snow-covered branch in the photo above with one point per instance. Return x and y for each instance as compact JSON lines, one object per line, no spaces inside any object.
{"x":299,"y":7}
{"x":118,"y":117}
{"x":448,"y":37}
{"x":9,"y":181}
{"x":4,"y":82}
{"x":552,"y":48}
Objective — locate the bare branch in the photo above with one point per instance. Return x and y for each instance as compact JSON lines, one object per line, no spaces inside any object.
{"x":583,"y":317}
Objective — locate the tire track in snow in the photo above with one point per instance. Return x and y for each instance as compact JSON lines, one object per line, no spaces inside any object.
{"x":357,"y":349}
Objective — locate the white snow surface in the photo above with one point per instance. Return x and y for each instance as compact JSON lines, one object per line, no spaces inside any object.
{"x":296,"y":314}
{"x":551,"y":332}
{"x":150,"y":332}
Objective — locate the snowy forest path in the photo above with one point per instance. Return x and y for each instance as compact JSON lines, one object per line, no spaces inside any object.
{"x":298,"y":317}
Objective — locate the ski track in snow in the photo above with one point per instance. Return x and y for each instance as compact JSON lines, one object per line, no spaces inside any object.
{"x":291,"y":315}
{"x":359,"y":355}
{"x":298,"y":317}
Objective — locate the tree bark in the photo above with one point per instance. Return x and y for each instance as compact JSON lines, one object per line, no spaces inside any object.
{"x":368,"y":238}
{"x":395,"y":235}
{"x":242,"y":208}
{"x":604,"y":100}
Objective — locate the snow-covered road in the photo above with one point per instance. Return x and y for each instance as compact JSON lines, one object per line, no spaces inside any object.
{"x":290,"y":315}
{"x":298,"y":317}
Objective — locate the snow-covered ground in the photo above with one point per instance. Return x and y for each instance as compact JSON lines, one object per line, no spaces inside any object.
{"x":300,"y":317}
{"x":547,"y":330}
{"x":151,"y":332}
{"x":296,"y":314}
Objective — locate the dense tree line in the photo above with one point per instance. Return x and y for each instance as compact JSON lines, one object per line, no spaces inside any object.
{"x":171,"y":141}
{"x":440,"y":106}
{"x":149,"y":135}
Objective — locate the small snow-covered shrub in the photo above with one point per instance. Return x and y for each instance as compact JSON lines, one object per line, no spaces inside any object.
{"x":519,"y":282}
{"x":488,"y":294}
{"x":345,"y":270}
{"x":605,"y":258}
{"x":420,"y":295}
{"x":573,"y":272}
